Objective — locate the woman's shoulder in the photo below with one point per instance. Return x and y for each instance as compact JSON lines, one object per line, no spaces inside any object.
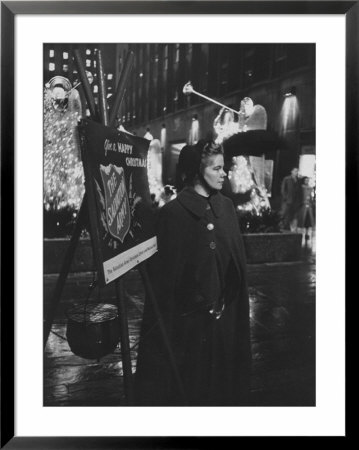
{"x":170,"y":209}
{"x":226,"y":201}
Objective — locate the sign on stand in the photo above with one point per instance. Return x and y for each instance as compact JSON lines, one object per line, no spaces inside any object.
{"x":119,"y":204}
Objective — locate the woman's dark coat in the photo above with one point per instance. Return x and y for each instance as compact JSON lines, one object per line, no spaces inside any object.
{"x":305,"y":214}
{"x":212,"y":355}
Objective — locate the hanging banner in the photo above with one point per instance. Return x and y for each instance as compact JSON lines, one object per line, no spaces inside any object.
{"x":116,"y":182}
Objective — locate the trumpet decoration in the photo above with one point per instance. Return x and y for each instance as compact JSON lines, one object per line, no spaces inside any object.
{"x":250,"y":116}
{"x":188,"y":90}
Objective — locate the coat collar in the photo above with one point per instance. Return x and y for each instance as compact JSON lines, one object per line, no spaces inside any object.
{"x":197,"y":204}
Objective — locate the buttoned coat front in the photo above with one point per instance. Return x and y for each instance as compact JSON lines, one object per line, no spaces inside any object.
{"x":212,"y":354}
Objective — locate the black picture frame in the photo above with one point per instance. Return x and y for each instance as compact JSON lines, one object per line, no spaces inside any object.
{"x":9,"y":10}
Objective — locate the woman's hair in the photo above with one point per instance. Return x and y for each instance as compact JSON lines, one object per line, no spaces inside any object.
{"x":192,"y":158}
{"x":210,"y":148}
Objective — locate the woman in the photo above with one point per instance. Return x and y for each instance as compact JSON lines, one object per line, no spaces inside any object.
{"x":199,"y":278}
{"x":305,"y":212}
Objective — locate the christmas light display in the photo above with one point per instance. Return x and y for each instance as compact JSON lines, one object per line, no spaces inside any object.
{"x":154,"y":169}
{"x":240,"y":175}
{"x":224,"y":125}
{"x":241,"y":178}
{"x":63,"y":172}
{"x":257,"y":203}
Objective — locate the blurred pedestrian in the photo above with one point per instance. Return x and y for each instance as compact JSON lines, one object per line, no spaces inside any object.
{"x":199,"y":276}
{"x":290,"y":190}
{"x":305,"y":215}
{"x":154,"y":202}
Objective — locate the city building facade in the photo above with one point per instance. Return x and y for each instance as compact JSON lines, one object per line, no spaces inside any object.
{"x":280,"y":77}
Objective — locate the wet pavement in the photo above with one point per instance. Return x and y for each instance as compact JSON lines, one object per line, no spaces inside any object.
{"x":282,"y":313}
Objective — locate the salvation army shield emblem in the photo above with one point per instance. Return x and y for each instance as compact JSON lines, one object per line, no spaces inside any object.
{"x":118,"y":215}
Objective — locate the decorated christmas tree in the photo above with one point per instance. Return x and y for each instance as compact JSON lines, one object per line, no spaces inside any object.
{"x":63,"y":172}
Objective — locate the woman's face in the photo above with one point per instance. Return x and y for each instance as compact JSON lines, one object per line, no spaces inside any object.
{"x":213,"y":173}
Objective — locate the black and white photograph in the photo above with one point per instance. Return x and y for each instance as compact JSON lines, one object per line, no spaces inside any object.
{"x":179,"y":206}
{"x":176,"y":179}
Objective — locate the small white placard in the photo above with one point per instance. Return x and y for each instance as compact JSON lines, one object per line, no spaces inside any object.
{"x":120,"y":264}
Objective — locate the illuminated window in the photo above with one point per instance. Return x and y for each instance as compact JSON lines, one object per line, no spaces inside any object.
{"x":88,"y":62}
{"x":307,"y":167}
{"x":163,"y":136}
{"x":109,"y":95}
{"x":194,"y":131}
{"x":95,"y":88}
{"x":109,"y":76}
{"x":289,"y":113}
{"x":65,"y":55}
{"x":51,"y":53}
{"x":65,"y":67}
{"x":51,"y":67}
{"x":88,"y":52}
